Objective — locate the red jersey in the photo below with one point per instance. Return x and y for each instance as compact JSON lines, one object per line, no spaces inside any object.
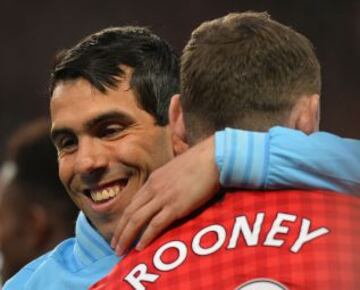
{"x":253,"y":240}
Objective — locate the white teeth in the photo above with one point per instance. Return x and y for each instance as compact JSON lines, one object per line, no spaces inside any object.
{"x":105,"y":194}
{"x":110,"y":192}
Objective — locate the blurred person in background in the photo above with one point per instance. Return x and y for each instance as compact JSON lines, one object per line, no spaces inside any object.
{"x":35,"y":213}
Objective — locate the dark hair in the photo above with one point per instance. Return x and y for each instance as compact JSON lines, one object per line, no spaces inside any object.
{"x":98,"y":57}
{"x":35,"y":178}
{"x":244,"y":70}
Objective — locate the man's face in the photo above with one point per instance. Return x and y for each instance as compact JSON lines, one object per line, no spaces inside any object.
{"x":107,"y":147}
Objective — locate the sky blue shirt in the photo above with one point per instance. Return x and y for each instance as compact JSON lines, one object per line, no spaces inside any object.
{"x":283,"y":157}
{"x":75,"y":264}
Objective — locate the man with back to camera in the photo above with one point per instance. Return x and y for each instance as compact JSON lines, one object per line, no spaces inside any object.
{"x":110,"y":95}
{"x":35,"y":214}
{"x":281,"y":158}
{"x":296,"y":239}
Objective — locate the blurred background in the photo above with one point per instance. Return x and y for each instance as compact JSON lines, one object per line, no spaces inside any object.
{"x":33,"y":31}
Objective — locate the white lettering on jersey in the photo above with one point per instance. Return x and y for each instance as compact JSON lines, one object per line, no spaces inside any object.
{"x":221,"y":235}
{"x":242,"y":225}
{"x":138,"y":275}
{"x":181,"y":249}
{"x":306,"y":236}
{"x":277,"y":228}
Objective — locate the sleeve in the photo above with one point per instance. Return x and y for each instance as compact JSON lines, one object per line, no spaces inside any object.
{"x":283,"y":158}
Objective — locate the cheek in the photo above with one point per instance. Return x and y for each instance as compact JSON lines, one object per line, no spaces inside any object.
{"x":131,"y":152}
{"x":145,"y":151}
{"x":152,"y":152}
{"x":160,"y":149}
{"x":65,"y":169}
{"x":127,"y":152}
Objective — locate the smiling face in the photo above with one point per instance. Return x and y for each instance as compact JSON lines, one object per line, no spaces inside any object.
{"x":107,"y":147}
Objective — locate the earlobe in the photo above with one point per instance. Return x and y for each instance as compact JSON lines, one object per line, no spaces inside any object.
{"x":176,"y":119}
{"x":308,"y":114}
{"x":179,"y":146}
{"x":315,"y":103}
{"x":177,"y":126}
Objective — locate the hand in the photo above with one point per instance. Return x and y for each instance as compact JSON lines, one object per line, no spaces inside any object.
{"x":171,"y":192}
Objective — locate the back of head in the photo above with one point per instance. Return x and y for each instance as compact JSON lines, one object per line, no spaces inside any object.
{"x":33,"y":202}
{"x":98,"y":58}
{"x":246,"y":71}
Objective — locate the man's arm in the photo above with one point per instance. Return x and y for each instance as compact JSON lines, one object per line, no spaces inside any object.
{"x":286,"y":158}
{"x":281,"y":158}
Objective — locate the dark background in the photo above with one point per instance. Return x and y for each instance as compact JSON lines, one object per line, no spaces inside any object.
{"x":32,"y":31}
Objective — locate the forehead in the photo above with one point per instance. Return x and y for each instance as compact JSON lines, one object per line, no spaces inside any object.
{"x":77,"y":101}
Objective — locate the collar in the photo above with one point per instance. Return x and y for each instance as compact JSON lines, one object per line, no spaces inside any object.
{"x":90,"y":246}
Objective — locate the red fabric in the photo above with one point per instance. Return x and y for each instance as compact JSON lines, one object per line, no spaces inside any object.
{"x":330,"y":261}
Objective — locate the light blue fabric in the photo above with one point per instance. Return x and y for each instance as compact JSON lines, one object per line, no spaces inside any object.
{"x":286,"y":158}
{"x":76,"y":263}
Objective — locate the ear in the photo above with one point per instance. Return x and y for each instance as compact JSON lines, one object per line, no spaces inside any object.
{"x":177,"y":125}
{"x":305,"y":115}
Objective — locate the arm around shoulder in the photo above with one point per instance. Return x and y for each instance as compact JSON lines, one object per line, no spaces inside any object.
{"x":284,"y":157}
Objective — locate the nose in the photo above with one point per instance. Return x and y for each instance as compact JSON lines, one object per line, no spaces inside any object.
{"x":91,"y":157}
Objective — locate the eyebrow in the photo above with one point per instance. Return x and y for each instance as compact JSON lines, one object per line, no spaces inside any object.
{"x":119,"y":116}
{"x":55,"y":133}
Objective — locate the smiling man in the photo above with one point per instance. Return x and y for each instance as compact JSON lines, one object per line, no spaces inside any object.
{"x":109,"y":101}
{"x":111,"y":137}
{"x":107,"y":146}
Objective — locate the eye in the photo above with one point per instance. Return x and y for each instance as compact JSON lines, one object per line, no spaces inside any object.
{"x":66,"y":143}
{"x":110,"y":131}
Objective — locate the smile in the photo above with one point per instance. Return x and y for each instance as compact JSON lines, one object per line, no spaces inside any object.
{"x":107,"y":192}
